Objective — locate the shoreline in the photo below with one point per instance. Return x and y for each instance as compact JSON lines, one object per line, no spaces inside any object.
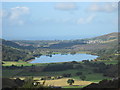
{"x":61,"y":62}
{"x":29,"y":61}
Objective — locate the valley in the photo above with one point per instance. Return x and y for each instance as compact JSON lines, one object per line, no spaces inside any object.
{"x":17,"y":55}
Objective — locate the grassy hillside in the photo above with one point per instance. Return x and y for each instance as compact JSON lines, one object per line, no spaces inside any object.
{"x":15,"y":45}
{"x":14,"y":52}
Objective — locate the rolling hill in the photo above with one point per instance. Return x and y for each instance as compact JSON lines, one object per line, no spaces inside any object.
{"x":15,"y":45}
{"x":13,"y":52}
{"x":101,"y":41}
{"x":102,"y":45}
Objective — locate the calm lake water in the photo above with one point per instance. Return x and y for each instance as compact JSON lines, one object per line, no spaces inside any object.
{"x":63,"y":58}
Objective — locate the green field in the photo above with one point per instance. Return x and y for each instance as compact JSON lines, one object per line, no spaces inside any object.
{"x":87,"y":71}
{"x":19,"y":63}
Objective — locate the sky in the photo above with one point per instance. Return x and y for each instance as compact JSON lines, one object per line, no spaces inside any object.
{"x":57,"y":20}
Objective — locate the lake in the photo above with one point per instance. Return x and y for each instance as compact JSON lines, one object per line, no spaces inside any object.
{"x":63,"y":58}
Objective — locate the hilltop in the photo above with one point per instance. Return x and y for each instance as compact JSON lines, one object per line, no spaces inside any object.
{"x":106,"y":37}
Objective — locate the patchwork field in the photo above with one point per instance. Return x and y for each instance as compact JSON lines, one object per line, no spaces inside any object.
{"x":63,"y":82}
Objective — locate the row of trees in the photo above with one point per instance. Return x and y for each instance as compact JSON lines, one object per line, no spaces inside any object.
{"x":63,"y":66}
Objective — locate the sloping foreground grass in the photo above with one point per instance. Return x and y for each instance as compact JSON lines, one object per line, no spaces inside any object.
{"x":63,"y":82}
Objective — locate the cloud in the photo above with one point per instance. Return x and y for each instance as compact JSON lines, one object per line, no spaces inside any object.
{"x":86,"y":20}
{"x":66,"y":6}
{"x":109,"y":7}
{"x":17,"y":12}
{"x":15,"y":15}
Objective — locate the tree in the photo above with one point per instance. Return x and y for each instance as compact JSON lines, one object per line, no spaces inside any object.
{"x":70,"y":81}
{"x":83,"y":77}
